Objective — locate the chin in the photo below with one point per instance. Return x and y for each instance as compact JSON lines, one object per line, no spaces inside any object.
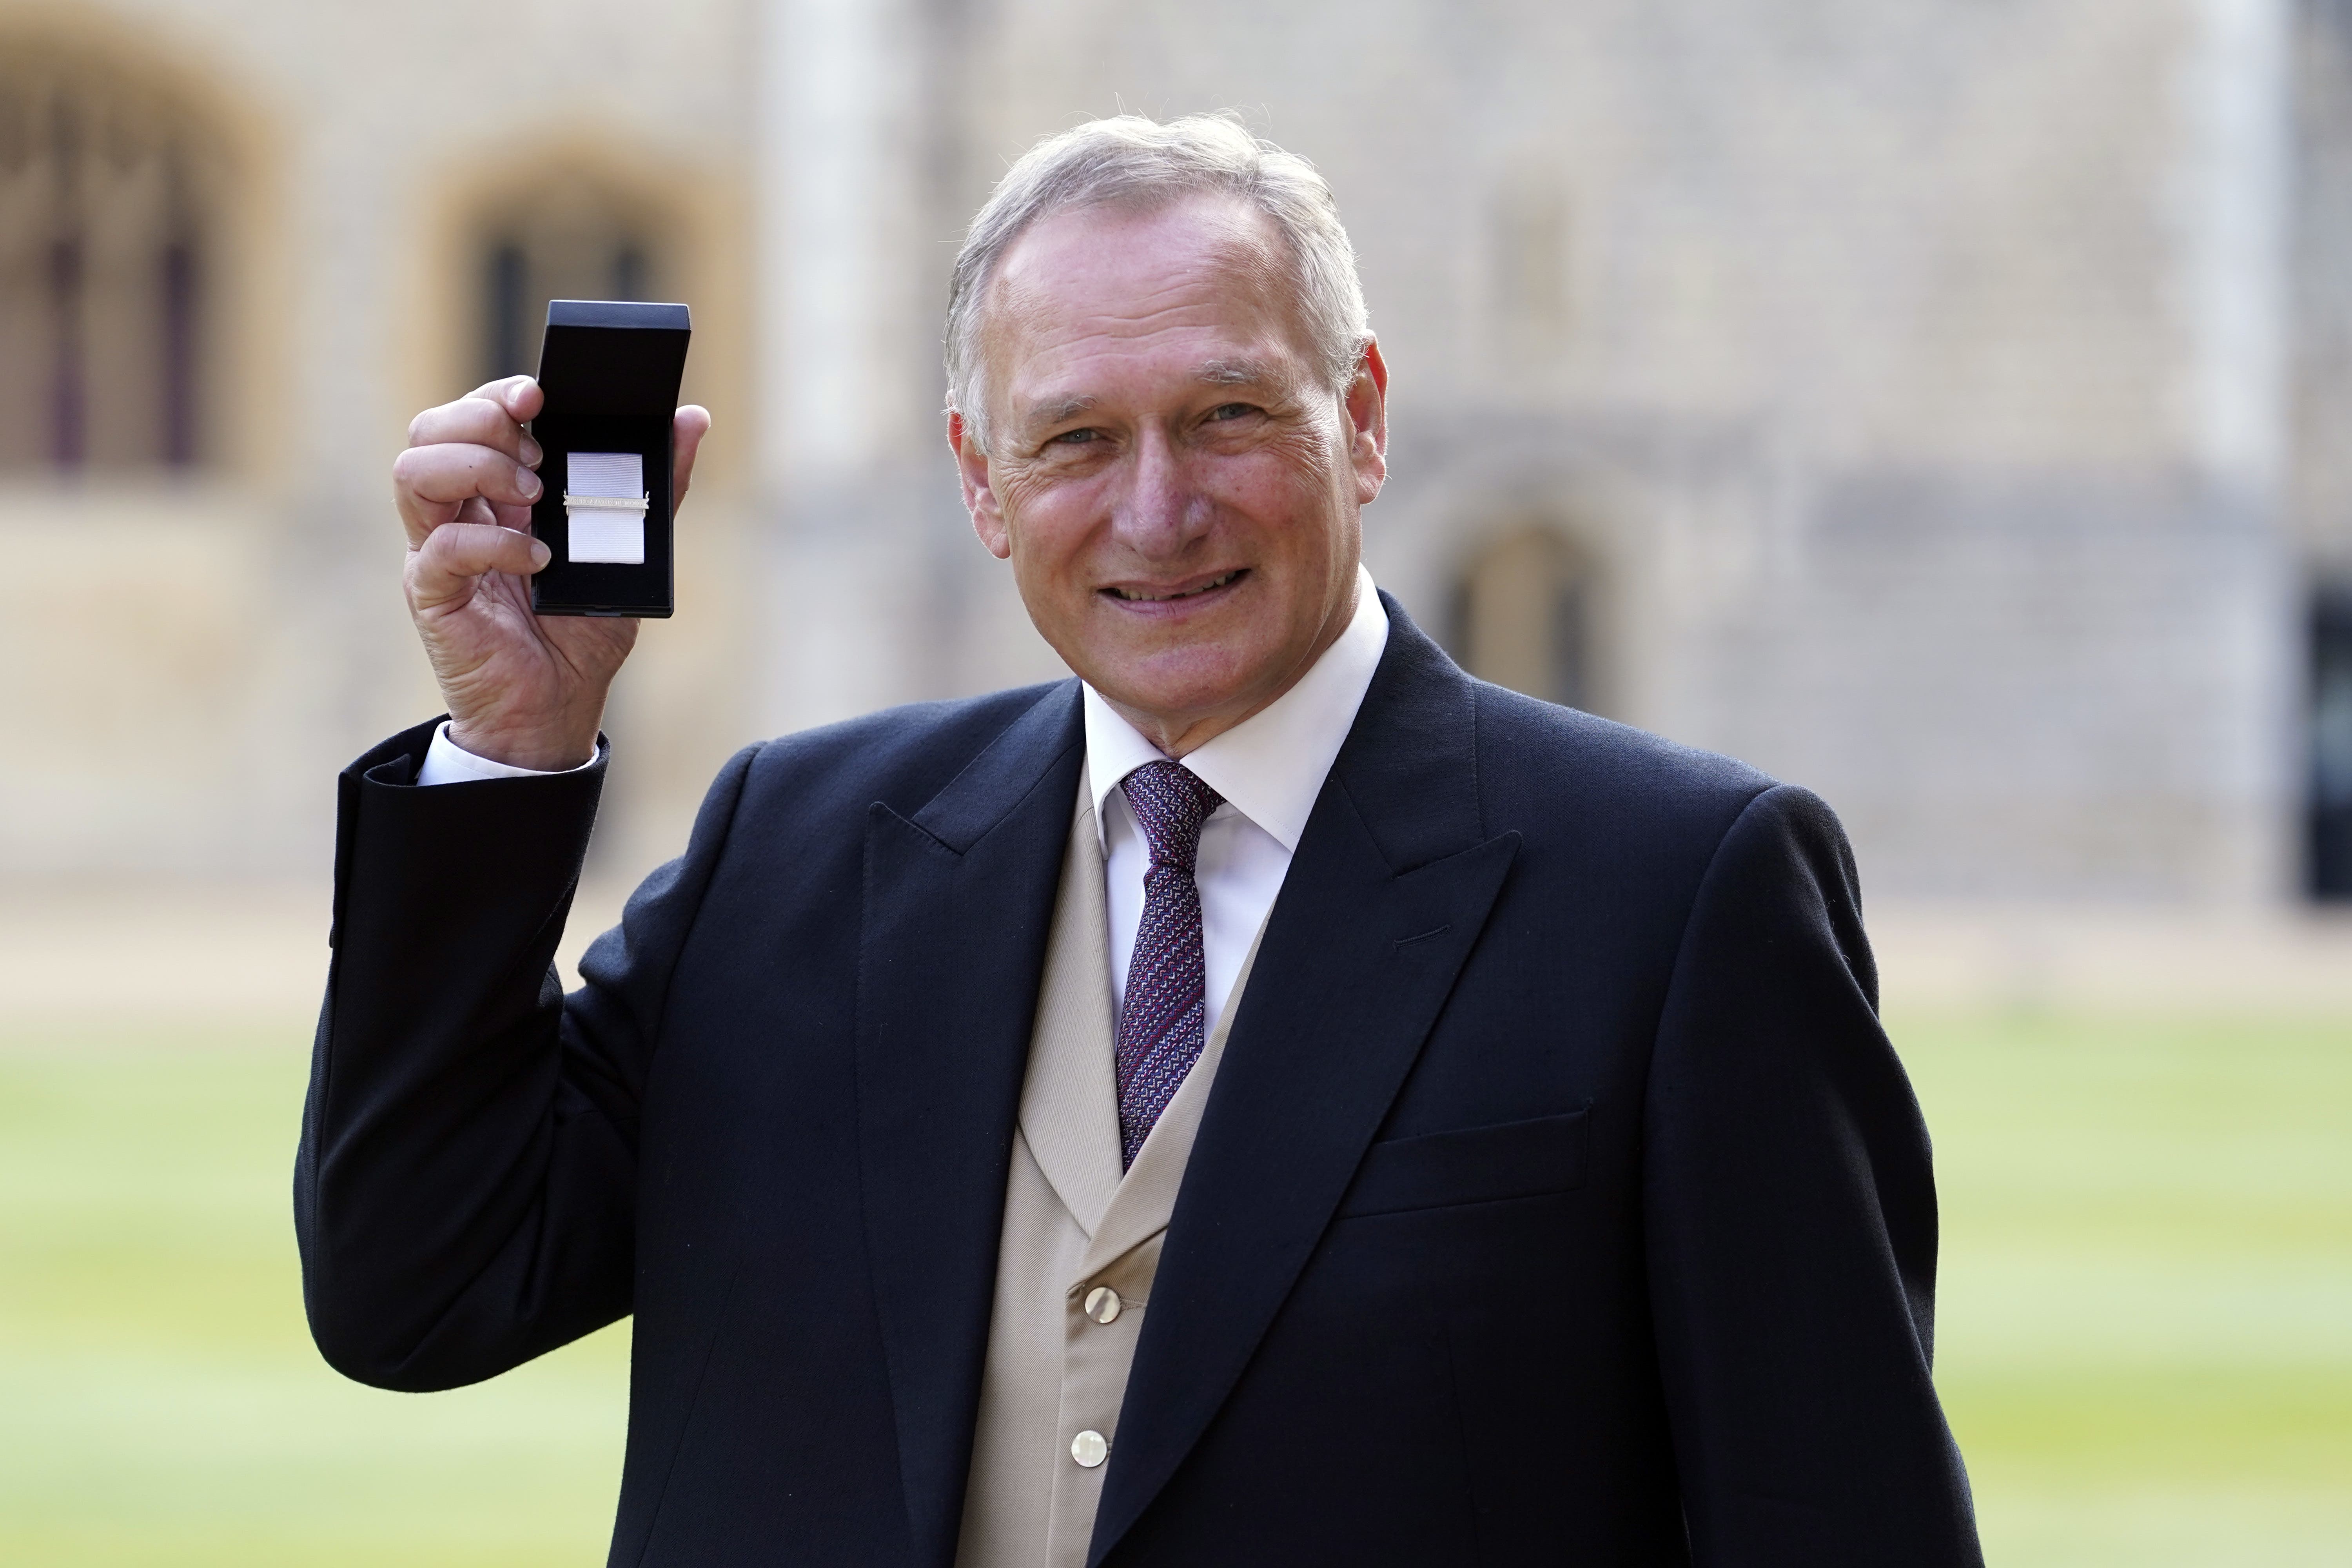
{"x":1190,"y":679}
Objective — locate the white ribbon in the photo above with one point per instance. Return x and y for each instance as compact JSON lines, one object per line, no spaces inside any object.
{"x":605,"y":501}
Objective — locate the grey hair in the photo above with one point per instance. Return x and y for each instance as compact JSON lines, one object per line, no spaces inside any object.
{"x":1129,"y":161}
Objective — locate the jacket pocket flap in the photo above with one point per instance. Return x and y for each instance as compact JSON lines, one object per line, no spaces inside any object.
{"x":1473,"y":1166}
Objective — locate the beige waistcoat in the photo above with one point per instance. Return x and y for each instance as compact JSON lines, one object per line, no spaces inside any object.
{"x":1072,"y":1225}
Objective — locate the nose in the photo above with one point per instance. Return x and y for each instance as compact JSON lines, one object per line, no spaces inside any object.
{"x":1160,"y":510}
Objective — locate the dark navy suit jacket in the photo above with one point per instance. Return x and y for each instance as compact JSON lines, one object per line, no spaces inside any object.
{"x":1559,"y":1200}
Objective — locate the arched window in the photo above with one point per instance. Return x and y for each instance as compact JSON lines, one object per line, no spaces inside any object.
{"x":566,"y":236}
{"x":1523,"y":617}
{"x":108,"y":191}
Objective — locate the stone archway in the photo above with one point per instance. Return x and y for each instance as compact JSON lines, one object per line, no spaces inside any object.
{"x":1526,"y":614}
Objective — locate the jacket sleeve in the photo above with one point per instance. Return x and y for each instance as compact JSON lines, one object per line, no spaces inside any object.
{"x":465,"y":1193}
{"x":1791,"y":1222}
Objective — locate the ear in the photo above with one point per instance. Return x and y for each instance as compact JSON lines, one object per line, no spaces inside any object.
{"x":1368,"y":418}
{"x":979,"y":491}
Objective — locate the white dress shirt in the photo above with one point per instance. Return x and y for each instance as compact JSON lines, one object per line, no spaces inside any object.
{"x":446,"y":762}
{"x":1269,"y":768}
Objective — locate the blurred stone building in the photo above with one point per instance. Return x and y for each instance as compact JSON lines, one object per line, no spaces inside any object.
{"x":1946,"y":404}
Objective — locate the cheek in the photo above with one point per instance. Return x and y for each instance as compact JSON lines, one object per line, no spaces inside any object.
{"x":1285,"y":490}
{"x":1049,"y":523}
{"x":1020,"y":492}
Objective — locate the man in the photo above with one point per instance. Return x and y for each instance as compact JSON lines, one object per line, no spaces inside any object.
{"x":1273,"y":1099}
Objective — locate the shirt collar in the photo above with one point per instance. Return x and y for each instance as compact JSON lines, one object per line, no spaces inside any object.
{"x":1271,"y":766}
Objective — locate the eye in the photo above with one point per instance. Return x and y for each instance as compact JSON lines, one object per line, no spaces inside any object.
{"x":1231,"y":411}
{"x":1074,"y":437}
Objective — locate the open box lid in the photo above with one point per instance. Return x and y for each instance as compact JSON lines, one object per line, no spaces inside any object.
{"x":591,"y":372}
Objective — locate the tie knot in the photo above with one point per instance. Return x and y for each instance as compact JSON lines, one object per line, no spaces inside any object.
{"x":1170,"y":803}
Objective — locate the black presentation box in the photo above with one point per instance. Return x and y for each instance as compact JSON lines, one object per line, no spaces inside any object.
{"x":610,"y":370}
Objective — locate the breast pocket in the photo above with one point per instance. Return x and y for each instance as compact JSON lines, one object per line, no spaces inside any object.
{"x":1473,"y":1166}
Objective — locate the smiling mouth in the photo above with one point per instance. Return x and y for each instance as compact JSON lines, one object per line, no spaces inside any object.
{"x":1142,"y":596}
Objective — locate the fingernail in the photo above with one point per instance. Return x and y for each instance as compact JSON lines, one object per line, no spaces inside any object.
{"x":528,"y":483}
{"x":532,"y":453}
{"x":539,"y":555}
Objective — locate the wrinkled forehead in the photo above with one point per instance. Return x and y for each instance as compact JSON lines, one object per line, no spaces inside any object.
{"x":1204,"y":276}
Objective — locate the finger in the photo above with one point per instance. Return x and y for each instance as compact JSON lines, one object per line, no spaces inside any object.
{"x":432,"y":484}
{"x":477,"y":511}
{"x":474,"y":420}
{"x":519,"y":395}
{"x":447,"y":563}
{"x":687,"y":431}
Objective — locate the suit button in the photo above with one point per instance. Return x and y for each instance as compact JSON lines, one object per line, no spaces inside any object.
{"x":1102,"y":1306}
{"x":1089,"y":1449}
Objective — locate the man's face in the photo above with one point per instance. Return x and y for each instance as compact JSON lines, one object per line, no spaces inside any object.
{"x":1174,"y":481}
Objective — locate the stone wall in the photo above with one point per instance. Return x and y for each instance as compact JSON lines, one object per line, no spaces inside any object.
{"x":1913,"y":373}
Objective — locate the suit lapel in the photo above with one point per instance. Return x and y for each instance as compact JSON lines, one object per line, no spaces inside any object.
{"x":958,"y":902}
{"x":1387,"y":895}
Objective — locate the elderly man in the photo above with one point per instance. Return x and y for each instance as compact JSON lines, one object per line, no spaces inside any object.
{"x":1270,"y":1099}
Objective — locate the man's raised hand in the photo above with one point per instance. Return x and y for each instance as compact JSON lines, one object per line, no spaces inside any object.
{"x":520,"y":689}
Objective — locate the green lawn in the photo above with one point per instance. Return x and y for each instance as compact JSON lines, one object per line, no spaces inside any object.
{"x":2145,"y":1320}
{"x":160,"y":1402}
{"x":2146,"y":1334}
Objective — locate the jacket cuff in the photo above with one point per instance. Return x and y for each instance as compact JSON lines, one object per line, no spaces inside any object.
{"x":403,"y":840}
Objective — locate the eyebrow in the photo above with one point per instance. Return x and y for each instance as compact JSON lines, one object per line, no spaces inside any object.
{"x":1235,"y":372}
{"x":1212,"y":372}
{"x":1060,"y":408}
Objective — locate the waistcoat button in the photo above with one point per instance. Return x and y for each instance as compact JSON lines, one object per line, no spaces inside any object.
{"x":1102,"y":1304}
{"x":1089,"y":1449}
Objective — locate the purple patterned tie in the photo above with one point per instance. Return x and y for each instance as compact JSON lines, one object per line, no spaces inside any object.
{"x":1159,"y":1021}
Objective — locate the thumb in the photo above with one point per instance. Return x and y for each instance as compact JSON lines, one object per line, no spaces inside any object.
{"x":687,"y":431}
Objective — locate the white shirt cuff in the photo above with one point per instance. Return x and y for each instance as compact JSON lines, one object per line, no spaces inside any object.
{"x":446,"y":762}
